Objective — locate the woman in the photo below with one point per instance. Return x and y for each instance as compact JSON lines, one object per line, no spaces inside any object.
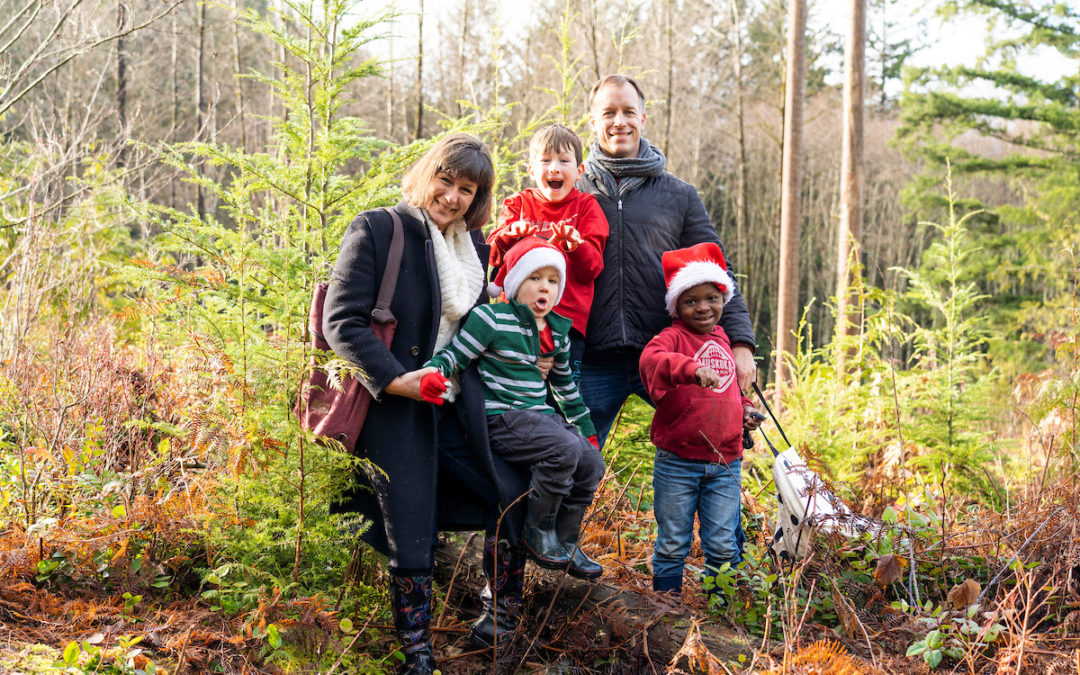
{"x":437,"y":471}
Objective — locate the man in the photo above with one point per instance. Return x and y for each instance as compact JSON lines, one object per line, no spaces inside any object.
{"x":649,"y":211}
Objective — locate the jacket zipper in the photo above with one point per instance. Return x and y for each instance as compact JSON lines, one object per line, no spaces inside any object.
{"x":622,"y":274}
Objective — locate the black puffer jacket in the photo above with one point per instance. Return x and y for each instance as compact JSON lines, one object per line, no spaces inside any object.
{"x":628,"y":308}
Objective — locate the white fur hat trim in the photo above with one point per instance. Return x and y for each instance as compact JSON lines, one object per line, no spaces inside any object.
{"x":531,"y":261}
{"x":693,"y":273}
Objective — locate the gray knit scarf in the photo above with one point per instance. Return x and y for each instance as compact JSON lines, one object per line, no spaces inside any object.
{"x":631,"y":172}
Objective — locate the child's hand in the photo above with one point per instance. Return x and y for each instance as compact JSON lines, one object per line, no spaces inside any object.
{"x":707,"y":377}
{"x":433,"y":386}
{"x":566,"y":236}
{"x":752,"y":419}
{"x":594,"y":441}
{"x":520,"y":228}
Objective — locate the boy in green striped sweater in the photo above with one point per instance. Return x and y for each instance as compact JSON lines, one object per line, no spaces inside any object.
{"x":508,"y":339}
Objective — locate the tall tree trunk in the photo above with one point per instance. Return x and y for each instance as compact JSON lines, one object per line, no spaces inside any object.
{"x":594,"y":42}
{"x":240,"y":113}
{"x":670,"y":75}
{"x":741,"y":214}
{"x":464,"y":39}
{"x":851,"y":170}
{"x":200,"y":94}
{"x":390,"y":89}
{"x":420,"y":73}
{"x":790,"y":223}
{"x":121,"y":81}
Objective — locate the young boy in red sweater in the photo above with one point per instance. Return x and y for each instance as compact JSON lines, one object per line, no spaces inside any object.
{"x":689,"y":372}
{"x":555,"y":210}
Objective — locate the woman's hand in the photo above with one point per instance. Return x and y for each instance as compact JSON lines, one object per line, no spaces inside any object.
{"x":408,"y":385}
{"x":544,"y":364}
{"x":707,"y":377}
{"x":433,"y":387}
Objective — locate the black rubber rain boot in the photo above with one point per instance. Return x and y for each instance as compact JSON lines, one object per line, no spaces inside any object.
{"x":410,"y":596}
{"x":541,"y":540}
{"x":504,"y":567}
{"x":568,"y":527}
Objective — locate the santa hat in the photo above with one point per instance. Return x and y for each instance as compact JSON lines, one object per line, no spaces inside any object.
{"x":525,"y":257}
{"x":685,"y":268}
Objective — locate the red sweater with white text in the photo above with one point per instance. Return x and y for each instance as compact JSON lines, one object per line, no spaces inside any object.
{"x":583,"y":264}
{"x":692,"y":421}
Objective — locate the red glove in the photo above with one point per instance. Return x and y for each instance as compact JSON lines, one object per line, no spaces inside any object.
{"x":594,"y":441}
{"x":433,"y":386}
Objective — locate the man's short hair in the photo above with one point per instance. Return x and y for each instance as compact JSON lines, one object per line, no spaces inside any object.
{"x":555,"y":138}
{"x":617,"y":80}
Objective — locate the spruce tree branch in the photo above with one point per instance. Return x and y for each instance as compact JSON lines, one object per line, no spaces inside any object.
{"x":6,"y":103}
{"x":1034,"y":17}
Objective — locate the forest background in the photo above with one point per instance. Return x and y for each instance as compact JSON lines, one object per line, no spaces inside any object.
{"x":175,"y":176}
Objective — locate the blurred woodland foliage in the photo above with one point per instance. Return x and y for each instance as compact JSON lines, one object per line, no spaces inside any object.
{"x":175,"y":176}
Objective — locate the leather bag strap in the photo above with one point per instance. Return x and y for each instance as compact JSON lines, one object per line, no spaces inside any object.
{"x":382,"y":312}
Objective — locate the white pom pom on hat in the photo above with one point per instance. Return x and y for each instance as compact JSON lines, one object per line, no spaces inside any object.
{"x":685,"y":268}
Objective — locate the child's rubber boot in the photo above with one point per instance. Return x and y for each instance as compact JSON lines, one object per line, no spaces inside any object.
{"x":568,"y":527}
{"x":541,"y":541}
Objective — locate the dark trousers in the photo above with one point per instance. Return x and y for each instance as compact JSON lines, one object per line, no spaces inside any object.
{"x":563,"y":463}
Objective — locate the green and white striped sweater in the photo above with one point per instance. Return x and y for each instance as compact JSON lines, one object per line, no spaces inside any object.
{"x":503,"y":337}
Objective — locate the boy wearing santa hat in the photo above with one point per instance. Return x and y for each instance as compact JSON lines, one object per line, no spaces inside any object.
{"x":508,"y":339}
{"x":689,"y":371}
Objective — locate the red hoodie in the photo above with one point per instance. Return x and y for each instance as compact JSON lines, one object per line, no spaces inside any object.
{"x":691,"y":421}
{"x":583,"y":265}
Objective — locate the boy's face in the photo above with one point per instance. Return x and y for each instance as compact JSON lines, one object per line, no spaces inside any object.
{"x":554,"y":173}
{"x":701,"y":307}
{"x":539,"y":290}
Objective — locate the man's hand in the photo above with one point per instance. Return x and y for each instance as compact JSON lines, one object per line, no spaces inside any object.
{"x":565,"y":236}
{"x":545,"y":364}
{"x":408,"y":385}
{"x":707,"y":377}
{"x":745,"y":368}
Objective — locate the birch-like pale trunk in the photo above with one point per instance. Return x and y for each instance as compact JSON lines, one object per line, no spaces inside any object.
{"x":790,"y":212}
{"x":851,"y":172}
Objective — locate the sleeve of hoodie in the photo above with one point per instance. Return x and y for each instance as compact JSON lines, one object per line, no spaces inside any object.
{"x":588,"y":258}
{"x":698,"y":228}
{"x":499,"y":241}
{"x":350,"y":298}
{"x":663,"y":368}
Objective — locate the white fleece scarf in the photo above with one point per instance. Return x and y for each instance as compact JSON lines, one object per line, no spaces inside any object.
{"x":461,"y":276}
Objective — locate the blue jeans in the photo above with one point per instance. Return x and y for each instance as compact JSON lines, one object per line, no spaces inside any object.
{"x":683,"y":487}
{"x":608,"y":378}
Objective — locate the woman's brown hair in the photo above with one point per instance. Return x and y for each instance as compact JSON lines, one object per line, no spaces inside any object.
{"x":458,"y":155}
